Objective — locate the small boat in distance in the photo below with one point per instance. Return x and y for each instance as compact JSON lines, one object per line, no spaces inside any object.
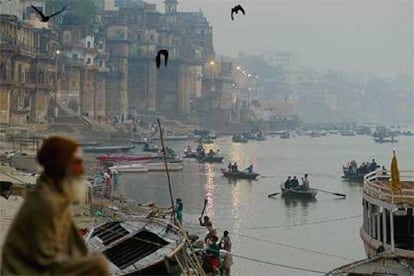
{"x":285,"y":135}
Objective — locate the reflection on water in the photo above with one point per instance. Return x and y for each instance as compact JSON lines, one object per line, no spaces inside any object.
{"x":240,"y":206}
{"x":209,"y":188}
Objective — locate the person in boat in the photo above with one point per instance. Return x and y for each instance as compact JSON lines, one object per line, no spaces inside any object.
{"x":384,"y":170}
{"x":179,"y":210}
{"x":373,"y":166}
{"x":210,"y":153}
{"x":305,"y":183}
{"x":229,"y":167}
{"x":209,"y":224}
{"x":225,"y":244}
{"x":43,"y":238}
{"x":213,"y":252}
{"x":288,"y":182}
{"x":294,"y":183}
{"x":234,"y":168}
{"x":250,"y":169}
{"x":200,"y":147}
{"x":189,"y":150}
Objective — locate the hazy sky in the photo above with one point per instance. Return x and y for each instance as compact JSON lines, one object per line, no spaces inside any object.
{"x":354,"y":35}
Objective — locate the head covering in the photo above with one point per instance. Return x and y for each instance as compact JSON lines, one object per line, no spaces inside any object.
{"x":55,"y":155}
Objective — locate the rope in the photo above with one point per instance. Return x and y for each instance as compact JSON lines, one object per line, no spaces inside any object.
{"x":295,"y":247}
{"x":302,"y":224}
{"x":277,"y":264}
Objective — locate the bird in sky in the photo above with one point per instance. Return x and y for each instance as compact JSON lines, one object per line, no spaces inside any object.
{"x":158,"y":58}
{"x":46,"y":18}
{"x":236,"y":10}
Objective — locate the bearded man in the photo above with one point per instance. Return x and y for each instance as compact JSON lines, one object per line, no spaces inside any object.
{"x":43,"y":239}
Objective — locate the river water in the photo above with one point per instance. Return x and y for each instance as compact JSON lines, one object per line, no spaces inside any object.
{"x":270,"y":234}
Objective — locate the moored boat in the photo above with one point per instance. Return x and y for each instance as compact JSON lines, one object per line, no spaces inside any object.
{"x":239,"y":174}
{"x":150,"y":147}
{"x":388,"y":219}
{"x":387,"y":230}
{"x":140,"y":246}
{"x":382,"y":139}
{"x":130,"y":168}
{"x":108,"y":149}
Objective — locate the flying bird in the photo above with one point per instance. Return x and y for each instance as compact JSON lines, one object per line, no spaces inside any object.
{"x":45,"y":18}
{"x":158,"y":58}
{"x":236,"y":10}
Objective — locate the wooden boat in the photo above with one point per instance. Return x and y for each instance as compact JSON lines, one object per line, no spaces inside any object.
{"x":108,"y":149}
{"x":239,"y":138}
{"x":128,"y":158}
{"x":139,"y":246}
{"x":160,"y":166}
{"x":239,"y":174}
{"x":285,"y":135}
{"x":191,"y":154}
{"x":385,"y":140}
{"x":150,"y":148}
{"x":130,"y":168}
{"x":305,"y":194}
{"x":211,"y":159}
{"x":387,"y":264}
{"x":89,"y":144}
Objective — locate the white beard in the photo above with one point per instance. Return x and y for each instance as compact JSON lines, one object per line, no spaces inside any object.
{"x":76,"y":189}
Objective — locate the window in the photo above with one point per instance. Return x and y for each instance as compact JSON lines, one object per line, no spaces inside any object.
{"x":88,"y":61}
{"x":88,"y":44}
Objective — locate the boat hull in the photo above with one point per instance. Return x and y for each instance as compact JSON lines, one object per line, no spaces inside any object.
{"x":239,"y":175}
{"x":115,"y":149}
{"x":301,"y":194}
{"x":211,"y":159}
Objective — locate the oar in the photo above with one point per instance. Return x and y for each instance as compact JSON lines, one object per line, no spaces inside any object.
{"x":337,"y":194}
{"x":204,"y":208}
{"x":270,"y":195}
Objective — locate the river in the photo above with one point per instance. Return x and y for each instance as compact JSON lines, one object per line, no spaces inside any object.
{"x":271,"y":235}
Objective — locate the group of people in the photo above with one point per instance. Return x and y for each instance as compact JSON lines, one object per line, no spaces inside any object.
{"x":364,"y":168}
{"x":293,"y":183}
{"x":234,"y":167}
{"x":213,"y":249}
{"x":214,"y":246}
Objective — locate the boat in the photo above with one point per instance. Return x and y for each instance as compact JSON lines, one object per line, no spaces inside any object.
{"x":178,"y":137}
{"x":130,"y":168}
{"x":239,"y":174}
{"x":376,"y":266}
{"x":387,"y":230}
{"x":388,"y":218}
{"x":352,"y":176}
{"x":139,"y":246}
{"x":128,"y":158}
{"x":348,"y":133}
{"x":108,"y":149}
{"x":285,"y":135}
{"x":239,"y":138}
{"x":89,"y":144}
{"x":301,"y":194}
{"x":382,"y":139}
{"x":160,"y":166}
{"x":210,"y":159}
{"x":149,"y":147}
{"x":206,"y":140}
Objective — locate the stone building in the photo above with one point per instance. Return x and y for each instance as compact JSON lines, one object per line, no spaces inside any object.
{"x":28,"y":78}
